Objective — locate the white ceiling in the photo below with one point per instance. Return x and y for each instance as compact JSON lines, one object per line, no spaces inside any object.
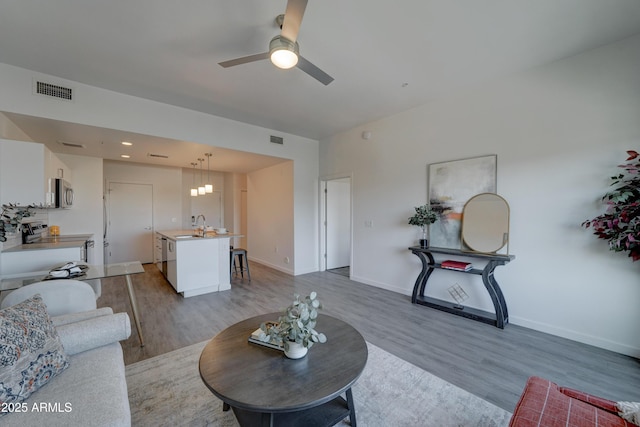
{"x":385,"y":56}
{"x":63,"y":137}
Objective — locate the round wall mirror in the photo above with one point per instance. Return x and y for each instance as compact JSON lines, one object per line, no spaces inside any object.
{"x":485,"y":223}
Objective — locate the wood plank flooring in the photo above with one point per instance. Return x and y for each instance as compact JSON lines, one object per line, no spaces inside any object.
{"x":486,"y":361}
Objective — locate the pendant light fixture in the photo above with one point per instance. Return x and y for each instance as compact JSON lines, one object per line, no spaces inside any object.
{"x":201,"y":189}
{"x":194,"y":190}
{"x":208,"y":187}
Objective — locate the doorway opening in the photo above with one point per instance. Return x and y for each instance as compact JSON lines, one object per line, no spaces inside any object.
{"x":336,"y":226}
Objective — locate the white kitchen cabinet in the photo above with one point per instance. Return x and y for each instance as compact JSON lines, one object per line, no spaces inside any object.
{"x":197,"y":266}
{"x":172,"y":265}
{"x":157,"y":251}
{"x":25,"y":171}
{"x":38,"y":260}
{"x":21,"y":172}
{"x":197,"y":269}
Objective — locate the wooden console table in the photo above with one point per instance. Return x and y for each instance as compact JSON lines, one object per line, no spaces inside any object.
{"x":501,"y":316}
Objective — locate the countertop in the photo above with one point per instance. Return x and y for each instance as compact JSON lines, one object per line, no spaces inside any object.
{"x":59,"y":242}
{"x":186,"y":235}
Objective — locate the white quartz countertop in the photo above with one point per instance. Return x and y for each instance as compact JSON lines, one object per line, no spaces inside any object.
{"x":50,"y":242}
{"x":181,"y":235}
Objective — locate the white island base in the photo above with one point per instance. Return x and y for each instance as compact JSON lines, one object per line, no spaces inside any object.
{"x":197,"y":265}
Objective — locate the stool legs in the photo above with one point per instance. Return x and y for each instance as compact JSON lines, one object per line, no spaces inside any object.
{"x":242,"y":263}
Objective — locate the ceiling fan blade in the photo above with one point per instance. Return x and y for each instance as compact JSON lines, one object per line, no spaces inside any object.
{"x":244,"y":60}
{"x":293,"y":18}
{"x":314,"y":71}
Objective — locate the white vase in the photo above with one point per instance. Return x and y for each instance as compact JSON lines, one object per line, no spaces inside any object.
{"x":296,"y":351}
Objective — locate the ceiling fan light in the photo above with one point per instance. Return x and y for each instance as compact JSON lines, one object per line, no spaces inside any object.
{"x":283,"y":58}
{"x":283,"y":52}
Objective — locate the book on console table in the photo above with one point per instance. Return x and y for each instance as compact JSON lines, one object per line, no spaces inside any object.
{"x":456,"y":265}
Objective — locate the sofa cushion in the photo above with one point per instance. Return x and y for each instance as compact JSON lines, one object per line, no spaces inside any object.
{"x":91,"y":393}
{"x":31,"y":353}
{"x":543,"y":404}
{"x":95,"y":332}
{"x":606,"y":404}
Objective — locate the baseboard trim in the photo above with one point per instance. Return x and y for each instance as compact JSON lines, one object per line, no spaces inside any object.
{"x":270,"y":265}
{"x":380,"y":285}
{"x":576,"y":336}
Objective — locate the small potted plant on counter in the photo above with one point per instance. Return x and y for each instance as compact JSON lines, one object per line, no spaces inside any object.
{"x":422,"y":218}
{"x":294,"y":330}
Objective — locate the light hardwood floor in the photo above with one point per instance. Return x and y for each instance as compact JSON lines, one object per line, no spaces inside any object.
{"x":486,"y":361}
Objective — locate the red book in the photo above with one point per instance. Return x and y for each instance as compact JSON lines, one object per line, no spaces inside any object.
{"x":456,"y":265}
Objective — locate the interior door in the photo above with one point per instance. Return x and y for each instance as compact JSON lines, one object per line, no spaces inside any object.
{"x":130,"y":222}
{"x":338,"y":223}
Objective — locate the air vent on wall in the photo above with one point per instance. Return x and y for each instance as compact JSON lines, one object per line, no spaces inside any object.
{"x":52,"y":90}
{"x":71,"y":144}
{"x":277,"y":139}
{"x":161,"y":156}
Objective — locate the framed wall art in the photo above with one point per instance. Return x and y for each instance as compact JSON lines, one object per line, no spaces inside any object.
{"x":451,"y":184}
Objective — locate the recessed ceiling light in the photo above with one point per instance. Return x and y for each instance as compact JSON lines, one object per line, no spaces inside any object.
{"x":126,"y":143}
{"x":125,"y":156}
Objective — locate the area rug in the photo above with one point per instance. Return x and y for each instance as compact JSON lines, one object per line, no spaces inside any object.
{"x":167,"y":391}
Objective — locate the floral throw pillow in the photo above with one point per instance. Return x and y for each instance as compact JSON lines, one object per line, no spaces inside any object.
{"x":31,"y":353}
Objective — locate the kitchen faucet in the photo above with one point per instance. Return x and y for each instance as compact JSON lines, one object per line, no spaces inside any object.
{"x":204,"y":224}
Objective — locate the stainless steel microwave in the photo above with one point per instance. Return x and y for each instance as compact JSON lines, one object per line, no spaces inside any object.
{"x":62,"y":193}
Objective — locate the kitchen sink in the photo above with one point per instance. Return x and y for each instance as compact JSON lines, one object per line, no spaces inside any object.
{"x":187,"y":236}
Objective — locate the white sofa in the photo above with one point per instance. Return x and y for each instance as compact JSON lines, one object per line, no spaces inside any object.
{"x":92,"y":391}
{"x":62,"y":296}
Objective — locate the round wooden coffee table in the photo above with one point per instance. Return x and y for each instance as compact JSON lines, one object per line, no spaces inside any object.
{"x":263,"y":387}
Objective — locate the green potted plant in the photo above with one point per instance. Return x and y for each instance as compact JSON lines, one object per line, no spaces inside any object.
{"x":294,"y":330}
{"x":620,"y":224}
{"x":422,"y":218}
{"x":11,"y":219}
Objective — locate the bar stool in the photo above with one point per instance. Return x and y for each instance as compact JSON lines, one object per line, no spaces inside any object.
{"x":243,"y":262}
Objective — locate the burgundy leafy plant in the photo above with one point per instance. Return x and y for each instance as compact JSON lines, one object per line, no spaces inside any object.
{"x":620,"y":224}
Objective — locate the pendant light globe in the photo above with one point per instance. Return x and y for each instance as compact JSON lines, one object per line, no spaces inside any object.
{"x":194,"y":190}
{"x":208,"y":188}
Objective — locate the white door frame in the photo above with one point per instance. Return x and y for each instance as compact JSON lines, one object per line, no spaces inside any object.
{"x":322,"y":226}
{"x":109,"y":207}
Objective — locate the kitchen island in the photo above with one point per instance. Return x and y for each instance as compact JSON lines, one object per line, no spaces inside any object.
{"x":193,"y":264}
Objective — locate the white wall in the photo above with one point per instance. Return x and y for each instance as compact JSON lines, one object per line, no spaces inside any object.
{"x":85,"y":216}
{"x":234,"y":185}
{"x":559,"y":131}
{"x":271,"y":232}
{"x":167,"y":189}
{"x":8,"y":130}
{"x":98,"y":107}
{"x":191,"y":205}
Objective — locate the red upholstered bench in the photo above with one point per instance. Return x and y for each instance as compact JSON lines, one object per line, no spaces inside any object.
{"x":545,"y":404}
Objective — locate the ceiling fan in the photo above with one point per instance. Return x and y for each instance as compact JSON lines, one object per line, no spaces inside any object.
{"x":283,"y":48}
